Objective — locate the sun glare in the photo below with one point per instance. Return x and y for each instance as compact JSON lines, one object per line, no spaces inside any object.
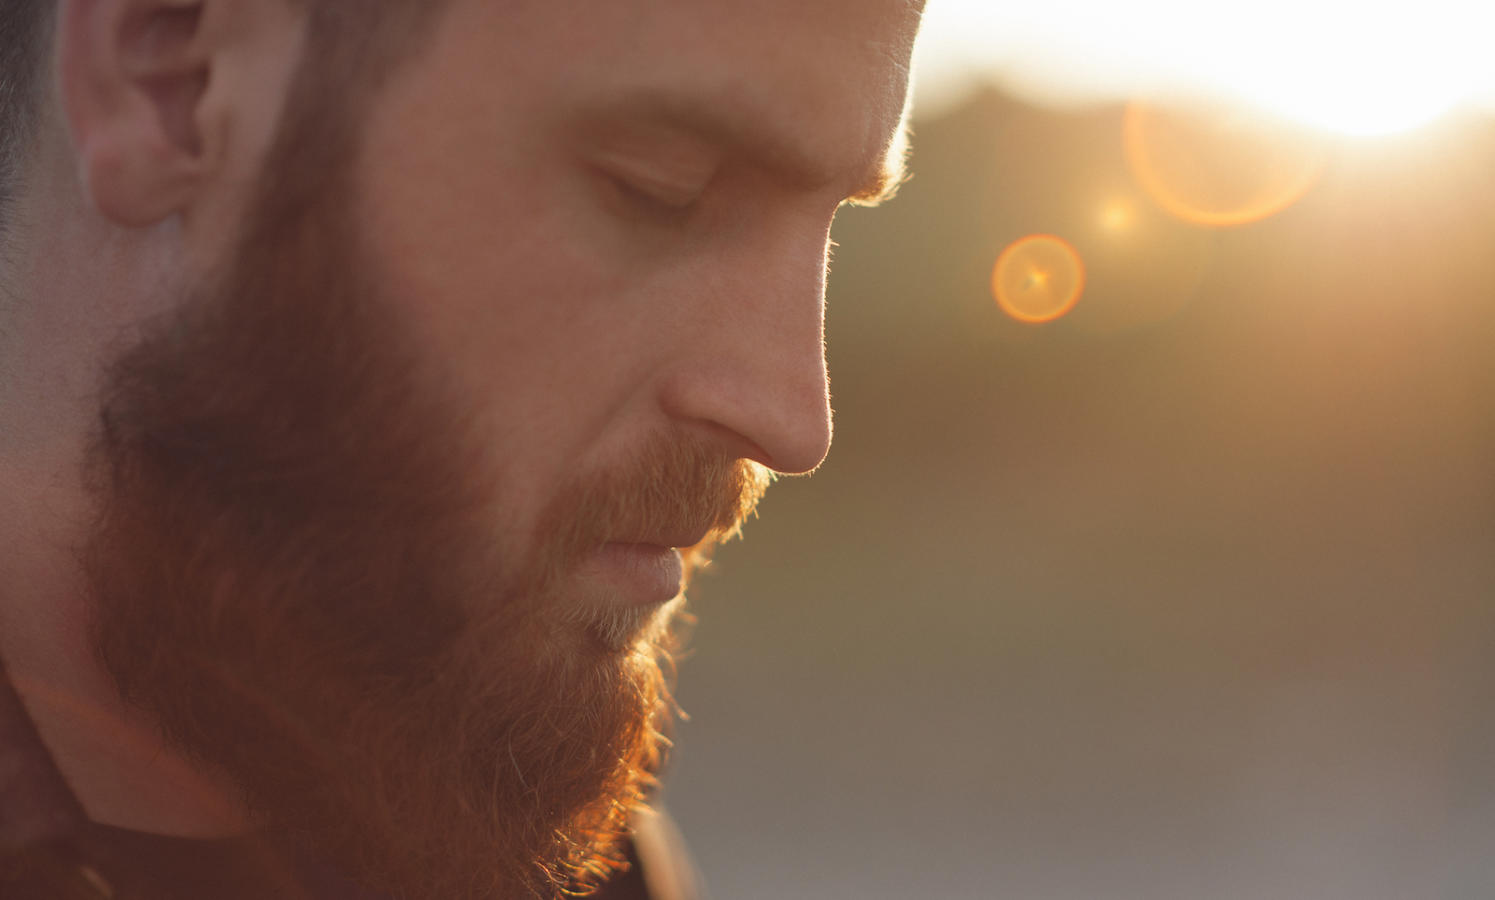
{"x":1366,"y":70}
{"x":1352,"y":69}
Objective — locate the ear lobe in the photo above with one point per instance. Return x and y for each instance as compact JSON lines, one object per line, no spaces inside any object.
{"x":132,"y":74}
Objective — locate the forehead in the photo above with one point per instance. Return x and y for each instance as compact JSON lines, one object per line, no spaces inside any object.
{"x":833,"y":73}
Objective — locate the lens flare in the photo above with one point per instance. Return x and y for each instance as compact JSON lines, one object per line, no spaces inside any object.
{"x":1142,"y":265}
{"x":1117,"y":217}
{"x":1219,"y":167}
{"x":1038,"y":278}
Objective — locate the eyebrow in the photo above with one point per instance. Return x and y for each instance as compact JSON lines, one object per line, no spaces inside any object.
{"x":890,"y":174}
{"x":753,"y":138}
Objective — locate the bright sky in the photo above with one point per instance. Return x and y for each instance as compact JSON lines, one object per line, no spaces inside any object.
{"x":1366,"y":67}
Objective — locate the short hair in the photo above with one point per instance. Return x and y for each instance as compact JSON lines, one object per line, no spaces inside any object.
{"x":25,"y":32}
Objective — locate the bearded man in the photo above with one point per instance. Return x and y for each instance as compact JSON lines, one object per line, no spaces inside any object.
{"x":372,"y":377}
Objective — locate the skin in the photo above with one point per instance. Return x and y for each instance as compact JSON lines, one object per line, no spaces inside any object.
{"x":572,"y":247}
{"x":707,"y":319}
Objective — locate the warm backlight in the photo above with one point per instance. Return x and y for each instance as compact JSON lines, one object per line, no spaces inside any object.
{"x":1347,"y":68}
{"x":1361,"y":68}
{"x":1038,"y":278}
{"x":1219,"y":166}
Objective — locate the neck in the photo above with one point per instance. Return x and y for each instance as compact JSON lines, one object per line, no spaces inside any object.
{"x":120,"y":768}
{"x":121,"y":772}
{"x":73,"y":287}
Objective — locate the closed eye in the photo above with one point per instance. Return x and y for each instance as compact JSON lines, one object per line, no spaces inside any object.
{"x":659,"y":189}
{"x":662,"y":177}
{"x":643,"y":196}
{"x":636,"y":203}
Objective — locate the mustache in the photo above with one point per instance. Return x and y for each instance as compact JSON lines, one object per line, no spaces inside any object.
{"x":674,"y":485}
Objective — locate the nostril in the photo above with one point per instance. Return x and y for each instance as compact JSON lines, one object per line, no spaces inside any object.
{"x":733,"y":443}
{"x":752,"y":413}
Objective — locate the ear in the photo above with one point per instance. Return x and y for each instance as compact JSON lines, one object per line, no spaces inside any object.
{"x":132,"y":76}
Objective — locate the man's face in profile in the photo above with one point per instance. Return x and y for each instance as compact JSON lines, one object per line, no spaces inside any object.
{"x":391,"y":502}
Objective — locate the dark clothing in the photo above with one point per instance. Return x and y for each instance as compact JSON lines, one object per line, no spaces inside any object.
{"x":131,"y":865}
{"x":50,"y":851}
{"x":102,"y":862}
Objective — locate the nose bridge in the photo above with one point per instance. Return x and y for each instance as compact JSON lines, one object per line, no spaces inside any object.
{"x":756,"y":367}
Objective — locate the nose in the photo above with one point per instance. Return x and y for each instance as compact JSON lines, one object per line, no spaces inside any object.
{"x":751,"y":371}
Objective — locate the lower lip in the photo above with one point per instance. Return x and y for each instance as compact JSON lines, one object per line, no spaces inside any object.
{"x":638,"y":574}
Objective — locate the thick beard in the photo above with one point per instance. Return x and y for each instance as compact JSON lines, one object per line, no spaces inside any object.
{"x":292,"y":577}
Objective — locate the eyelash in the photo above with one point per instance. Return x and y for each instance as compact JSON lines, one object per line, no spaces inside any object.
{"x":642,"y":202}
{"x":643,"y":196}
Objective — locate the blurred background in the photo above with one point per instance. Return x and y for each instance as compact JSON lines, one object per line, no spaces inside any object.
{"x":1154,"y":555}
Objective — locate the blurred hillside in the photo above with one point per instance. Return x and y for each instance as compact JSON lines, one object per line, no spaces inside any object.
{"x":1187,"y":594}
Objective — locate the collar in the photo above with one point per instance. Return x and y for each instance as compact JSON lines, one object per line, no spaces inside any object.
{"x":40,"y":818}
{"x":36,"y":805}
{"x":49,"y":850}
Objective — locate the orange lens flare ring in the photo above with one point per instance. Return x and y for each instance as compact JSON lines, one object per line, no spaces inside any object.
{"x":1219,"y":168}
{"x":1038,"y":278}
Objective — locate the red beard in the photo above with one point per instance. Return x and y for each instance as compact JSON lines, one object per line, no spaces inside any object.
{"x":292,"y":576}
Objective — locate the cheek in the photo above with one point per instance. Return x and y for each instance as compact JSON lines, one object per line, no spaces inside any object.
{"x":517,"y":309}
{"x":524,"y":295}
{"x":507,"y":295}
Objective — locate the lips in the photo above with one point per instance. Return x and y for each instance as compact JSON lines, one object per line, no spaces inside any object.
{"x":635,"y":574}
